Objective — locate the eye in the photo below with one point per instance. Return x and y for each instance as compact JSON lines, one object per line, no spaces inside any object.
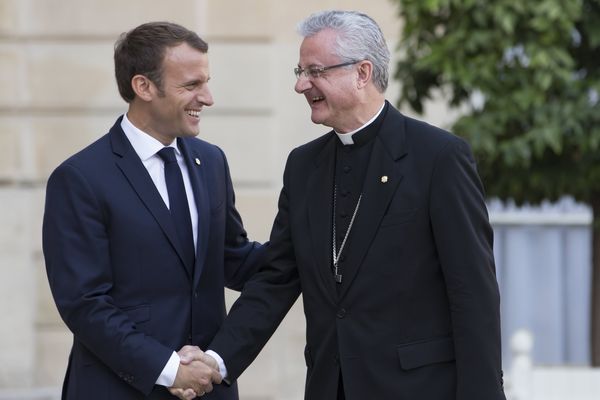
{"x":314,"y":72}
{"x":192,"y":85}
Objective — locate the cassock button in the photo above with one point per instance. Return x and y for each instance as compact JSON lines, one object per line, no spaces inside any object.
{"x":197,"y":160}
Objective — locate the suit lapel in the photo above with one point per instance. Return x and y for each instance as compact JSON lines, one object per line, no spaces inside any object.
{"x":382,"y":179}
{"x":198,"y":180}
{"x":319,"y":203}
{"x":130,"y":164}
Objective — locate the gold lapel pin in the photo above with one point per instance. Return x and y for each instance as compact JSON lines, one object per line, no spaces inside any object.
{"x":384,"y":179}
{"x":197,"y":161}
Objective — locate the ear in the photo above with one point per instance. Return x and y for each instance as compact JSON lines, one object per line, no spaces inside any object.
{"x":143,"y":87}
{"x":365,"y":72}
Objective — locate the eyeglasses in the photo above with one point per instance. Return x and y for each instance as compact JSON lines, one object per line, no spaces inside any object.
{"x":316,"y":72}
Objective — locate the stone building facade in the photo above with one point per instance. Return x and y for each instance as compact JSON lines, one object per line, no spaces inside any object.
{"x":57,"y":94}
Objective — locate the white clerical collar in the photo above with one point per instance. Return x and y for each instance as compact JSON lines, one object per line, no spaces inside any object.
{"x":144,"y":145}
{"x":346,"y":138}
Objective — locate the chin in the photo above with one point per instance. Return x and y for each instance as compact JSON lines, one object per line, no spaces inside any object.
{"x":192,"y":133}
{"x":317,"y":119}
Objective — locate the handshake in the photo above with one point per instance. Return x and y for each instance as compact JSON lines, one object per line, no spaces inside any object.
{"x":196,"y":373}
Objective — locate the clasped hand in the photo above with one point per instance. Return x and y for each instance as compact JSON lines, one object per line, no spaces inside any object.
{"x":196,"y":373}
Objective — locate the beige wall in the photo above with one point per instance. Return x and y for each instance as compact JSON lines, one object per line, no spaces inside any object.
{"x":57,"y":94}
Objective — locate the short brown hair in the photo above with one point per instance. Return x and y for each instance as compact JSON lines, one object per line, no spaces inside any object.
{"x":141,"y":52}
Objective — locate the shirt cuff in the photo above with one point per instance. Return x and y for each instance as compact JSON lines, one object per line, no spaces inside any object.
{"x":169,"y":372}
{"x":222,"y":367}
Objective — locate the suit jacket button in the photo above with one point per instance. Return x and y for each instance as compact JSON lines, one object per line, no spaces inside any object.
{"x":341,"y":313}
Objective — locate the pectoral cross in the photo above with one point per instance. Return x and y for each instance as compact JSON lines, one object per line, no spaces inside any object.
{"x":337,"y":275}
{"x":336,"y":254}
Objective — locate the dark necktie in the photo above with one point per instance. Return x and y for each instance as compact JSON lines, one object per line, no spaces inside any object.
{"x":178,"y":205}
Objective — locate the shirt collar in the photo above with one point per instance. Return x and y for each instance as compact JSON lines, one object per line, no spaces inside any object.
{"x":144,"y":145}
{"x":346,"y":138}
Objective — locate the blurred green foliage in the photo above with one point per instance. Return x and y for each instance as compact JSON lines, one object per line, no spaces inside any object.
{"x":525,"y":75}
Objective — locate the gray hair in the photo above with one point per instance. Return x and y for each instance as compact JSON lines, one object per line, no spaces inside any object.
{"x":359,"y":38}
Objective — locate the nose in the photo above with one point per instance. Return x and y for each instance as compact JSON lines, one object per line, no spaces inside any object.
{"x":205,"y":96}
{"x":302,"y":84}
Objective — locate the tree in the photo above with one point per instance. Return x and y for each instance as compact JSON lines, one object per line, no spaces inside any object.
{"x":526,"y":77}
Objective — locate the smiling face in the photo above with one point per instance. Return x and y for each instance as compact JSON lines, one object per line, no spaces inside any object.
{"x":334,"y":96}
{"x":174,"y":110}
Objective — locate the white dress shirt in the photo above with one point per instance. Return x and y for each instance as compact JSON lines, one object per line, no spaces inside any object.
{"x":146,"y":148}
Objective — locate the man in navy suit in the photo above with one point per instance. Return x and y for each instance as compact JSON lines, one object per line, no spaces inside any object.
{"x":382,"y":226}
{"x":130,"y":281}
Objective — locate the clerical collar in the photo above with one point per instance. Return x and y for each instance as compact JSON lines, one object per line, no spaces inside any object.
{"x":347,"y":138}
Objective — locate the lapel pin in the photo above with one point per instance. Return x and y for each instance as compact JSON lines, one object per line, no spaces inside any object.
{"x":384,"y":179}
{"x":197,"y":161}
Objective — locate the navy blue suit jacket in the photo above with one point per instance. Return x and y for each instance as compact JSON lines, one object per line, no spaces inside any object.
{"x":116,"y":270}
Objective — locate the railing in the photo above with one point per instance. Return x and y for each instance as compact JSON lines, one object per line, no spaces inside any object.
{"x":526,"y":381}
{"x":543,"y":266}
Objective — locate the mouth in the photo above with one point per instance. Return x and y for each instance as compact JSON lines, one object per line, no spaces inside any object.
{"x":316,"y":99}
{"x":193,"y":112}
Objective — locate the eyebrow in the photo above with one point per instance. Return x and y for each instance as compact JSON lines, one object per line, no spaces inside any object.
{"x":310,"y":66}
{"x":195,"y":82}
